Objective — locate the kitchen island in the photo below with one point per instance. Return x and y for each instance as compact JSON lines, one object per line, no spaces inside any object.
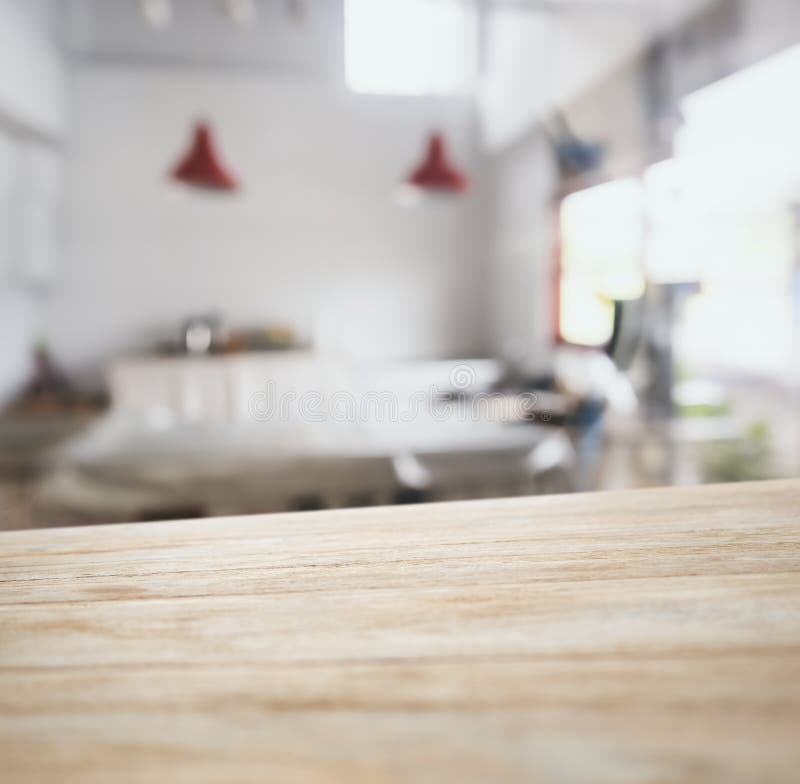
{"x":643,"y":636}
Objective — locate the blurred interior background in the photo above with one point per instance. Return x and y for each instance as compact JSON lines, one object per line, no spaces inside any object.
{"x":263,"y":255}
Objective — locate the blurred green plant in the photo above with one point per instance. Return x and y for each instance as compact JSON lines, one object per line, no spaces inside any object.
{"x":742,"y":459}
{"x":705,"y":410}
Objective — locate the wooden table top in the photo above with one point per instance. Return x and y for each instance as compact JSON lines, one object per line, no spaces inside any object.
{"x":646,"y":636}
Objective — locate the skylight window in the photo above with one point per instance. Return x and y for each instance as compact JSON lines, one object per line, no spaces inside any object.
{"x":410,"y":47}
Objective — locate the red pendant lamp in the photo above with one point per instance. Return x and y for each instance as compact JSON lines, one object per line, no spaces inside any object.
{"x":201,"y":166}
{"x":437,"y":172}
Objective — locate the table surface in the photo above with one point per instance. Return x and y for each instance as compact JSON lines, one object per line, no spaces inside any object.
{"x":644,"y":636}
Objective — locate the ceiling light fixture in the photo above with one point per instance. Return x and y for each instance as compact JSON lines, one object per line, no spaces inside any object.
{"x":437,"y":172}
{"x":201,"y":166}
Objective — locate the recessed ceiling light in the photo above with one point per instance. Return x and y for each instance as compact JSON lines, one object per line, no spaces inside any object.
{"x":242,"y":13}
{"x":157,"y":13}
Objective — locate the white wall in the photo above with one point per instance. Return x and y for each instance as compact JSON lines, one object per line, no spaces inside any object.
{"x":32,"y":116}
{"x":315,"y":239}
{"x":31,"y":68}
{"x":521,"y":251}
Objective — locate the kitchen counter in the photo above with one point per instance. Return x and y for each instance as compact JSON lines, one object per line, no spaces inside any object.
{"x":644,"y":636}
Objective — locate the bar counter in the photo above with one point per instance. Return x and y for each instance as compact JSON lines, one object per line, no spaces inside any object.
{"x":641,"y":636}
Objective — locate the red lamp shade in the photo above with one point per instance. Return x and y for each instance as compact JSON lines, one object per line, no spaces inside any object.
{"x":437,"y":172}
{"x":201,"y":167}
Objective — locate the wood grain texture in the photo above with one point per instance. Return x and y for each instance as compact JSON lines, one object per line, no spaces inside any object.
{"x":646,"y":636}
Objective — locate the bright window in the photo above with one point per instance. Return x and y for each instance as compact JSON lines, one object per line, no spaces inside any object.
{"x":410,"y":47}
{"x":602,"y":235}
{"x":721,"y":214}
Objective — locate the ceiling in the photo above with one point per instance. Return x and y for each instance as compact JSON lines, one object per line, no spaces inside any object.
{"x":536,"y":53}
{"x":538,"y":61}
{"x":294,"y":36}
{"x":201,"y":35}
